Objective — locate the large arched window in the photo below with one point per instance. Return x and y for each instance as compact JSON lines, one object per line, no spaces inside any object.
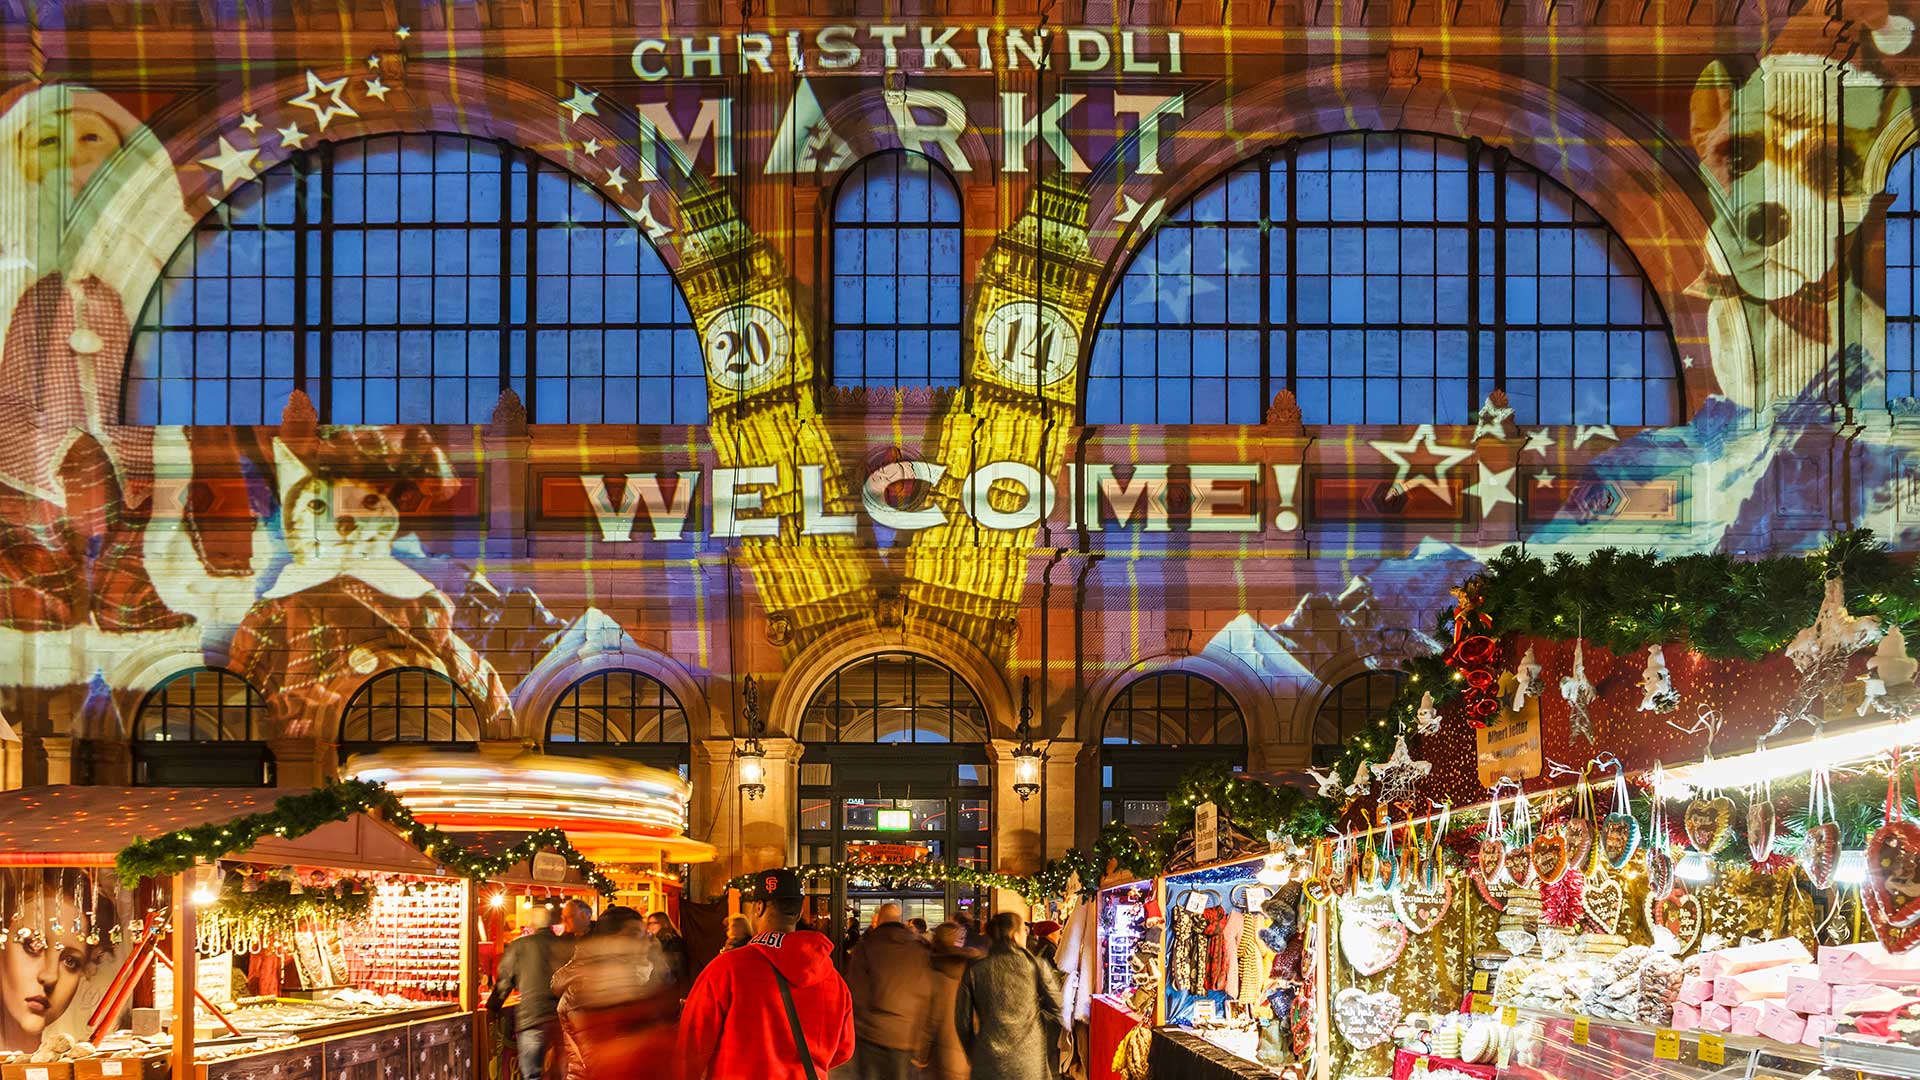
{"x":202,"y":727}
{"x":896,"y":274}
{"x":1384,"y":278}
{"x":408,"y":279}
{"x":625,"y":714}
{"x":895,"y":759}
{"x":1155,"y":731}
{"x":1352,"y":709}
{"x":1903,"y":311}
{"x":409,"y":705}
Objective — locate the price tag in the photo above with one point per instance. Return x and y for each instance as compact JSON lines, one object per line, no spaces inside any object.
{"x":1420,"y":1065}
{"x":1482,"y":1004}
{"x":1666,"y":1045}
{"x":110,"y":1068}
{"x":1482,"y":980}
{"x":1713,"y":1049}
{"x":1580,"y":1027}
{"x":1509,"y":1016}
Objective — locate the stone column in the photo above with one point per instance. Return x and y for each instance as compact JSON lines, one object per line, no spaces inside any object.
{"x":749,"y":834}
{"x":110,"y":761}
{"x":303,"y":763}
{"x":56,"y":751}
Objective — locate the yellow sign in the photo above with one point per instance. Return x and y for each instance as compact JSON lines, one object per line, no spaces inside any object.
{"x":1420,"y":1064}
{"x":1510,"y":746}
{"x":1713,"y":1049}
{"x":1481,"y":979}
{"x":1510,"y":1016}
{"x":1666,"y":1045}
{"x":1580,"y":1026}
{"x":1482,"y":1004}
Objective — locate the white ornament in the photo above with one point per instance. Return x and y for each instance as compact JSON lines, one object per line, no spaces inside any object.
{"x":1526,"y":680}
{"x":1656,"y":684}
{"x":1427,"y":720}
{"x":1329,"y":782}
{"x":1360,"y":781}
{"x":1494,"y":420}
{"x":1579,"y":693}
{"x":1889,"y":668}
{"x":1399,"y":774}
{"x":1834,"y":632}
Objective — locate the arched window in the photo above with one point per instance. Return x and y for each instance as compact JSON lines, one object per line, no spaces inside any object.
{"x":409,"y":705}
{"x":1384,"y":278}
{"x":1155,"y":731}
{"x":1903,"y":311}
{"x":202,"y":727}
{"x":896,"y":274}
{"x":624,"y":714}
{"x":895,"y":755}
{"x":408,"y":279}
{"x":1350,"y":710}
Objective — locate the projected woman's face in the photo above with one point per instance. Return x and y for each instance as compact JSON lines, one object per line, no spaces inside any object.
{"x":74,"y":142}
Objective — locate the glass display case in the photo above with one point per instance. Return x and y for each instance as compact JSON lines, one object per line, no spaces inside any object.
{"x":1555,"y":1046}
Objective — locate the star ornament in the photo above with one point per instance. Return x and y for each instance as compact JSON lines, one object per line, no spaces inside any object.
{"x":581,"y":103}
{"x":1400,"y":773}
{"x":324,"y":113}
{"x":1493,"y":421}
{"x":1440,"y":458}
{"x":235,"y":166}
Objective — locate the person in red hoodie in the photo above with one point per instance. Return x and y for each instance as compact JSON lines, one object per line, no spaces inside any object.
{"x":753,"y":1008}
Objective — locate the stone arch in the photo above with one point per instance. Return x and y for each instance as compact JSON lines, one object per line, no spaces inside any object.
{"x":135,"y":675}
{"x":836,"y":650}
{"x":533,"y":699}
{"x":1646,"y":202}
{"x":1327,"y":678}
{"x":1228,"y":672}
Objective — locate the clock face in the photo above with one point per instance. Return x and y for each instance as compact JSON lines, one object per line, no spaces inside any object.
{"x":747,"y":347}
{"x":1024,"y":337}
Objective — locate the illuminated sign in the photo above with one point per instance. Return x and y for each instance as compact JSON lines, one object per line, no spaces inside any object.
{"x":895,"y":820}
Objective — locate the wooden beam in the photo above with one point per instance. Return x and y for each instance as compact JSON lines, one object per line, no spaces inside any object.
{"x":185,"y":974}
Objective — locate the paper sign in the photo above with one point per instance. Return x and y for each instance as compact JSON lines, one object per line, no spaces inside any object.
{"x":38,"y":1072}
{"x":1580,"y":1027}
{"x":110,"y":1067}
{"x":1197,"y":901}
{"x":1206,"y":833}
{"x":1203,"y":1012}
{"x":1713,"y":1049}
{"x":1420,"y":1064}
{"x":1510,"y":1016}
{"x":1666,"y":1045}
{"x":1511,"y":745}
{"x":1482,"y":1004}
{"x":1481,"y":981}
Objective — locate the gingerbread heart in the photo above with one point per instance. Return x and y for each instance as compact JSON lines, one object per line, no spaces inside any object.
{"x":1549,"y":857}
{"x":1619,"y":838}
{"x":1893,"y":884}
{"x":1602,"y":902}
{"x":1820,"y":854}
{"x":1761,"y":828}
{"x":1659,"y":872}
{"x":1371,"y":938}
{"x":1491,"y":859}
{"x":1520,"y":866}
{"x":1677,"y":911}
{"x":1421,"y":907}
{"x":1495,"y":896}
{"x":1709,"y":824}
{"x":1579,"y":833}
{"x":1365,"y":1020}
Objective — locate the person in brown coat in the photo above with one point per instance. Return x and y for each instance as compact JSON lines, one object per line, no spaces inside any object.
{"x":891,"y":975}
{"x":950,"y":959}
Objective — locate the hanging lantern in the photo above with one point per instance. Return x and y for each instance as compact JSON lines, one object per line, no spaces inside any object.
{"x":1026,"y":758}
{"x":751,"y":755}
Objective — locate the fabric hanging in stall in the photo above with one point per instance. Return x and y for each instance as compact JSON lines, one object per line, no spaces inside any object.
{"x":1186,"y":950}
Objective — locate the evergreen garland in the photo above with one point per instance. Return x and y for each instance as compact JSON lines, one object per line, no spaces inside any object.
{"x":297,"y":815}
{"x":273,"y":903}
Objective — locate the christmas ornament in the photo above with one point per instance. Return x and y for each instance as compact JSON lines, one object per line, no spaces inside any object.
{"x":1709,"y":824}
{"x":1603,"y":900}
{"x":1472,"y":656}
{"x":1676,"y":911}
{"x":1619,"y":830}
{"x":1892,"y":889}
{"x":1420,"y":906}
{"x":1579,"y":694}
{"x":1820,"y":652}
{"x":1526,"y":680}
{"x":1371,"y":936}
{"x":1560,"y":901}
{"x":1659,"y":869}
{"x":1549,"y":857}
{"x":1400,"y":773}
{"x":1495,"y":896}
{"x":1656,"y":684}
{"x":1888,"y":669}
{"x":1520,"y":868}
{"x":1427,"y":719}
{"x":1819,"y":853}
{"x":1366,"y":1020}
{"x":1761,"y":828}
{"x":1490,"y":856}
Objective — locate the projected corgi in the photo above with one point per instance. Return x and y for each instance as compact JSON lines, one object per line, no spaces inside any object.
{"x":344,"y":607}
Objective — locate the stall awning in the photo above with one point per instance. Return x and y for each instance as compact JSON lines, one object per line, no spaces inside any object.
{"x":84,"y":825}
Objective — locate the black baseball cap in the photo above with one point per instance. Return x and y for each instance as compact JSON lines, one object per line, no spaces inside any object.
{"x":778,"y":883}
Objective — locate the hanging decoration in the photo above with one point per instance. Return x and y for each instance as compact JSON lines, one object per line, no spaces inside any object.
{"x":1550,"y":857}
{"x":1889,"y":671}
{"x":1472,"y":656}
{"x":1366,"y":1020}
{"x":1677,"y":912}
{"x":1603,"y":899}
{"x":1526,"y":680}
{"x":1578,"y":828}
{"x":1656,"y":684}
{"x":1659,"y":863}
{"x":1422,"y":905}
{"x":1820,"y":653}
{"x":1579,"y":693}
{"x":1709,"y":824}
{"x":1520,"y":869}
{"x":1762,"y":826}
{"x":1820,"y":852}
{"x":1400,"y":774}
{"x":1892,"y":891}
{"x":1490,"y":858}
{"x":1619,"y":830}
{"x":1371,"y":936}
{"x":1427,"y":718}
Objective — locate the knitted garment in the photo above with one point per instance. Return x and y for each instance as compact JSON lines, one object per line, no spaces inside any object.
{"x":1130,"y":1057}
{"x":1250,"y":968}
{"x":1214,"y":926}
{"x":1186,"y":950}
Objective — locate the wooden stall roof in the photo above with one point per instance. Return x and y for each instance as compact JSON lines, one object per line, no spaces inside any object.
{"x":521,"y":873}
{"x":84,"y":825}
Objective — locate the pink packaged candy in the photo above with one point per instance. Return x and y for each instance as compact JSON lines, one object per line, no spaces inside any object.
{"x":1746,"y":1018}
{"x":1697,"y":990}
{"x":1808,"y":995}
{"x":1715,"y":1017}
{"x":1779,"y":1023}
{"x":1766,"y":954}
{"x":1685,"y":1017}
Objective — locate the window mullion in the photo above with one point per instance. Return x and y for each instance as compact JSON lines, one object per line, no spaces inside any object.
{"x":1292,"y":330}
{"x":325,"y":405}
{"x":533,"y":282}
{"x":1475,"y":392}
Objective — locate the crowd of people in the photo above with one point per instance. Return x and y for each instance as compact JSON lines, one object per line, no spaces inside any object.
{"x":949,"y":1002}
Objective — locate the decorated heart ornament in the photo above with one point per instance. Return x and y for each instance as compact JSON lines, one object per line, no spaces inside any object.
{"x":1709,"y":824}
{"x":1491,"y":858}
{"x":1761,"y":829}
{"x":1893,"y":884}
{"x":1371,"y":937}
{"x":1820,"y":854}
{"x":1365,"y":1020}
{"x":1549,"y":857}
{"x":1677,"y":911}
{"x":1659,"y":872}
{"x":1495,"y":896}
{"x":1619,"y":839}
{"x":1520,"y":866}
{"x":1421,"y":908}
{"x":1602,"y":903}
{"x":1579,"y":833}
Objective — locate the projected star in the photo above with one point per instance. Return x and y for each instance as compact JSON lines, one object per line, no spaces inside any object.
{"x":235,"y":166}
{"x":1439,"y":458}
{"x":1493,"y":488}
{"x":1593,"y":431}
{"x":581,"y":103}
{"x":373,"y":61}
{"x":403,"y":33}
{"x":250,"y":122}
{"x":1545,"y":479}
{"x":1131,"y":211}
{"x":642,"y":216}
{"x":590,"y":147}
{"x":292,"y":138}
{"x":616,"y":180}
{"x":323,"y":114}
{"x":1538,"y":442}
{"x":377,"y":90}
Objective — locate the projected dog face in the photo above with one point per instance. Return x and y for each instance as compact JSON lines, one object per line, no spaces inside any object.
{"x":1763,"y":142}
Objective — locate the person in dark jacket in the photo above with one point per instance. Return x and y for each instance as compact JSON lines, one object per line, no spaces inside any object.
{"x":1004,"y":1005}
{"x":890,"y":973}
{"x":660,"y":925}
{"x":528,"y":966}
{"x":951,"y":958}
{"x":736,"y":1023}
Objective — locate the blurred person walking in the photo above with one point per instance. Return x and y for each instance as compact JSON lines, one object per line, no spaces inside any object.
{"x":660,"y":925}
{"x":527,"y":966}
{"x":951,"y":958}
{"x":890,"y":973}
{"x":616,"y":999}
{"x":1004,"y":1006}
